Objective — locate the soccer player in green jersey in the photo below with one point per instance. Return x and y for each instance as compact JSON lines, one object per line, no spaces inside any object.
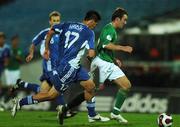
{"x":12,"y":71}
{"x":107,"y":63}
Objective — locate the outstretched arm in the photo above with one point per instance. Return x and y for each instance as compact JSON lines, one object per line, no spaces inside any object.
{"x":114,"y":47}
{"x":31,"y":53}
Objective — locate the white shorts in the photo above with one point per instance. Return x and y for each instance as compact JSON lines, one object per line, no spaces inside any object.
{"x":107,"y":70}
{"x":11,"y":76}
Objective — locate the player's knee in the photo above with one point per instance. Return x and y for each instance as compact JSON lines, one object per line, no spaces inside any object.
{"x":129,"y":85}
{"x":90,"y":87}
{"x":126,"y":86}
{"x":91,"y":90}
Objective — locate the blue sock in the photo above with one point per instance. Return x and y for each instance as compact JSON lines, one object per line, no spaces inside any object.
{"x":91,"y":107}
{"x":27,"y":101}
{"x":60,"y":100}
{"x":31,"y":86}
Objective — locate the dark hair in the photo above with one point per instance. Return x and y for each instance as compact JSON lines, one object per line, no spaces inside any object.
{"x":14,"y":37}
{"x":119,"y":12}
{"x":54,"y":13}
{"x":2,"y":35}
{"x":92,"y":15}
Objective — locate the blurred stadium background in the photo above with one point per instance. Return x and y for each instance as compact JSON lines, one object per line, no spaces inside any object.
{"x":153,"y":29}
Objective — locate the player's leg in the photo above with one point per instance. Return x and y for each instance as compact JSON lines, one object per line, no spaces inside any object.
{"x":124,"y":85}
{"x":46,"y":96}
{"x":15,"y":74}
{"x":90,"y":104}
{"x":34,"y":99}
{"x":104,"y":71}
{"x":45,"y":87}
{"x":11,"y":76}
{"x":32,"y":86}
{"x":88,"y":94}
{"x":8,"y":77}
{"x":26,"y":85}
{"x":93,"y":116}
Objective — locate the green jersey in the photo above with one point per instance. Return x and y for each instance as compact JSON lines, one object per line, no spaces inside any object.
{"x":108,"y":35}
{"x":14,"y":63}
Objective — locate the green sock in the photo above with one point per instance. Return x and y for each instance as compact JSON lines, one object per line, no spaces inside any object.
{"x":120,"y":98}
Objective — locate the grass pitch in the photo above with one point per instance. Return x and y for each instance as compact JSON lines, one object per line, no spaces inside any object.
{"x":48,"y":119}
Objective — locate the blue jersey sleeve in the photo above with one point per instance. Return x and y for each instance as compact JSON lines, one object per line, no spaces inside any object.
{"x":58,"y":28}
{"x":39,"y":37}
{"x":91,"y":41}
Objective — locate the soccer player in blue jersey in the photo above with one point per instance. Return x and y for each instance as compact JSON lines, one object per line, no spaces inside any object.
{"x":74,"y":39}
{"x":48,"y":65}
{"x":54,"y":18}
{"x":4,"y":58}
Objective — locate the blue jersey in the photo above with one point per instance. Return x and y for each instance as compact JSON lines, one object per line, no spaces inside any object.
{"x":74,"y":39}
{"x":4,"y":53}
{"x":48,"y":65}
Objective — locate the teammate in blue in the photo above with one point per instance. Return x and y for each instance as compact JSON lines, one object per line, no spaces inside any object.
{"x":74,"y":39}
{"x":4,"y":58}
{"x":47,"y":65}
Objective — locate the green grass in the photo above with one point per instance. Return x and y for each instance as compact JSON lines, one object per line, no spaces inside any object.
{"x":48,"y":119}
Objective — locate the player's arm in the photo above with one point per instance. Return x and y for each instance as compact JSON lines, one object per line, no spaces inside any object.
{"x":56,"y":29}
{"x":47,"y":41}
{"x":114,"y":47}
{"x":31,"y":53}
{"x":108,"y":43}
{"x":91,"y":52}
{"x":36,"y":41}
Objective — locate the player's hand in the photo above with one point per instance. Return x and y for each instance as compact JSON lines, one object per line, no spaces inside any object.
{"x":29,"y":57}
{"x":118,"y":62}
{"x":46,"y":54}
{"x":101,"y":87}
{"x":128,"y":49}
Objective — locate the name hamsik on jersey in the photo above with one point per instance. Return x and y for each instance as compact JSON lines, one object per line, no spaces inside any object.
{"x":74,"y":39}
{"x":48,"y":65}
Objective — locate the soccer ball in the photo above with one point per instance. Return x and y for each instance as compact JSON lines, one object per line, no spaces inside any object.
{"x":164,"y":120}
